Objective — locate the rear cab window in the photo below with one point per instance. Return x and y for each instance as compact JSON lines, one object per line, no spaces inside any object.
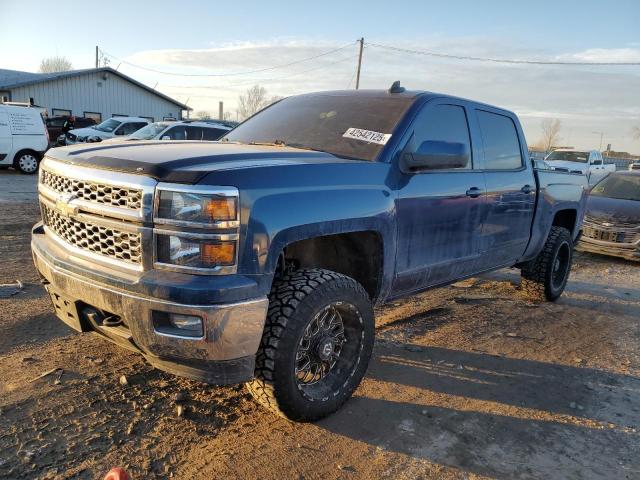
{"x":500,"y":140}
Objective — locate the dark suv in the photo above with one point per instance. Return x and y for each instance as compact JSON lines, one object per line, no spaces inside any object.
{"x":55,"y":124}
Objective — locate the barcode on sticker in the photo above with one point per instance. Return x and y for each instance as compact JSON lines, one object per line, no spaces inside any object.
{"x":368,"y":136}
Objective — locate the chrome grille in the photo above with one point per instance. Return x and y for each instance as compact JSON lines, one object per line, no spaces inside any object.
{"x":115,"y":196}
{"x":111,"y":242}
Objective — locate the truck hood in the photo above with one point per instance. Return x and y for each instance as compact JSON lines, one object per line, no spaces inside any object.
{"x":582,"y":167}
{"x":613,"y":210}
{"x":184,"y":162}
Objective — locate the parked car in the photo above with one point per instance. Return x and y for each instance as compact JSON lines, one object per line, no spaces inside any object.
{"x":113,"y":127}
{"x":634,"y":166}
{"x":612,"y":219}
{"x":179,"y":130}
{"x":259,"y":258}
{"x":23,"y":138}
{"x":589,"y":163}
{"x":55,"y":124}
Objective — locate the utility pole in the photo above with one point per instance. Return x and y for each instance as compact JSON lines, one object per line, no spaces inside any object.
{"x":97,"y":61}
{"x":220,"y":111}
{"x":601,"y":135}
{"x":359,"y":63}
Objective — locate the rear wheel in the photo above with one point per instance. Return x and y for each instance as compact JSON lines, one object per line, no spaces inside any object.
{"x":316,"y":345}
{"x":26,"y":162}
{"x":545,"y":277}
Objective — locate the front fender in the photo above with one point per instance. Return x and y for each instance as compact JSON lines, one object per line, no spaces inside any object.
{"x":283,"y":218}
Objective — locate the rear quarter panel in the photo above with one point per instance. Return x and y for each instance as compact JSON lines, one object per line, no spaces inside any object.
{"x":556,"y":191}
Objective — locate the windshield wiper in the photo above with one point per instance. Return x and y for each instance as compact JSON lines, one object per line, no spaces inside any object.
{"x":275,"y":143}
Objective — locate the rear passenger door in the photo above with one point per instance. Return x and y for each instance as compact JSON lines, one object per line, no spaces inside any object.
{"x":439,"y":212}
{"x":511,"y":189}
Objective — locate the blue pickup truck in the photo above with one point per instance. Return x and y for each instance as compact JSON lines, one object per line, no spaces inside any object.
{"x":259,"y":258}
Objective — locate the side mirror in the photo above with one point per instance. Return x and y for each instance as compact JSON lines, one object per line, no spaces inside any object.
{"x":165,"y":137}
{"x":596,"y":162}
{"x":436,"y":155}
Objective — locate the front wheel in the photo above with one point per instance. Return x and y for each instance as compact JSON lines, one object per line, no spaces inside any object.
{"x":316,"y":344}
{"x":26,"y":162}
{"x":546,"y":276}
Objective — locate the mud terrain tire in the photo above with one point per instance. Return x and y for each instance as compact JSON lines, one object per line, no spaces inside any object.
{"x":546,"y":276}
{"x":302,"y":306}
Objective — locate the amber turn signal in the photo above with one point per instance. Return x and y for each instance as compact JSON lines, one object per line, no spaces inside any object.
{"x":223,"y":253}
{"x":220,"y":208}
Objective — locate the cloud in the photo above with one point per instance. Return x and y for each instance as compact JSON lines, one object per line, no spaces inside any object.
{"x":603,"y":55}
{"x":586,"y":99}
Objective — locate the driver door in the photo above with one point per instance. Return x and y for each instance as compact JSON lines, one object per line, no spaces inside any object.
{"x":439,"y":213}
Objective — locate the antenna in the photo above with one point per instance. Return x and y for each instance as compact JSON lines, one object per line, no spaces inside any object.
{"x":396,"y":88}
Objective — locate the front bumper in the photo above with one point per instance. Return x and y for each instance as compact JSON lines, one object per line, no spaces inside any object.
{"x":630,"y":251}
{"x":224,"y":355}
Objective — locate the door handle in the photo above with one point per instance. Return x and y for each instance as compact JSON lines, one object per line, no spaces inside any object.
{"x":473,"y":192}
{"x":526,"y":189}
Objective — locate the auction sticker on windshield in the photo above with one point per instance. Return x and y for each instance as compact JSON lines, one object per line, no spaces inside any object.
{"x":368,"y":136}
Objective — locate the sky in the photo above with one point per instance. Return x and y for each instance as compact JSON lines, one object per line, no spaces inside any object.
{"x":229,"y":41}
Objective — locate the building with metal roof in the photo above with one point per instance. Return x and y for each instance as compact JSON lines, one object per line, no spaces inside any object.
{"x":99,"y":93}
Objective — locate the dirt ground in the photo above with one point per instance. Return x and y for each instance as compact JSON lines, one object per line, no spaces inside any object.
{"x":469,"y":381}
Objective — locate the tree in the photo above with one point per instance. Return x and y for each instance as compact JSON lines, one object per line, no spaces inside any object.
{"x":103,"y":60}
{"x":203,"y":115}
{"x":253,"y":100}
{"x":55,"y":64}
{"x":550,"y":133}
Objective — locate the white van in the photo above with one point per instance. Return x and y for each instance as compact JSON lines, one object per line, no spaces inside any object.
{"x":23,"y":137}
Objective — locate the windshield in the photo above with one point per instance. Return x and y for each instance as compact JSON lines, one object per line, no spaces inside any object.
{"x":108,"y":125}
{"x":149,"y":131}
{"x":344,"y":125}
{"x":580,"y":157}
{"x":623,"y":187}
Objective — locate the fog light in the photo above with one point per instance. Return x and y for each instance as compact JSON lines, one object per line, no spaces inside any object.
{"x":177,"y":324}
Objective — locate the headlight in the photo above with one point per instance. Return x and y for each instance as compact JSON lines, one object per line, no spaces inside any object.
{"x":208,"y":219}
{"x":195,"y":251}
{"x":196,"y":208}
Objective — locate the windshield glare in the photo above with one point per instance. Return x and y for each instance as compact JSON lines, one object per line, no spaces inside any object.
{"x":581,"y":157}
{"x":622,"y":187}
{"x":319,"y":121}
{"x":108,"y":125}
{"x":148,"y":132}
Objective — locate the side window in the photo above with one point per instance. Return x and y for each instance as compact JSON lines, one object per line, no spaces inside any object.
{"x":194,"y":133}
{"x":176,"y":133}
{"x":445,"y":123}
{"x":129,"y":127}
{"x":60,"y":112}
{"x":212,"y":133}
{"x":501,"y":144}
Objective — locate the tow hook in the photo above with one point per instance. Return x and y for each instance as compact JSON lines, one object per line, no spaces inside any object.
{"x":99,"y":319}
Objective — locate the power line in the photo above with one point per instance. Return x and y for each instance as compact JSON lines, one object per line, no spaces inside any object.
{"x":497,"y":60}
{"x":251,"y":82}
{"x":247,"y":72}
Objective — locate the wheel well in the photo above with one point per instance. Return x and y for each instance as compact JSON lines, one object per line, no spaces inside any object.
{"x":356,"y":254}
{"x":25,"y":150}
{"x":566,"y":219}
